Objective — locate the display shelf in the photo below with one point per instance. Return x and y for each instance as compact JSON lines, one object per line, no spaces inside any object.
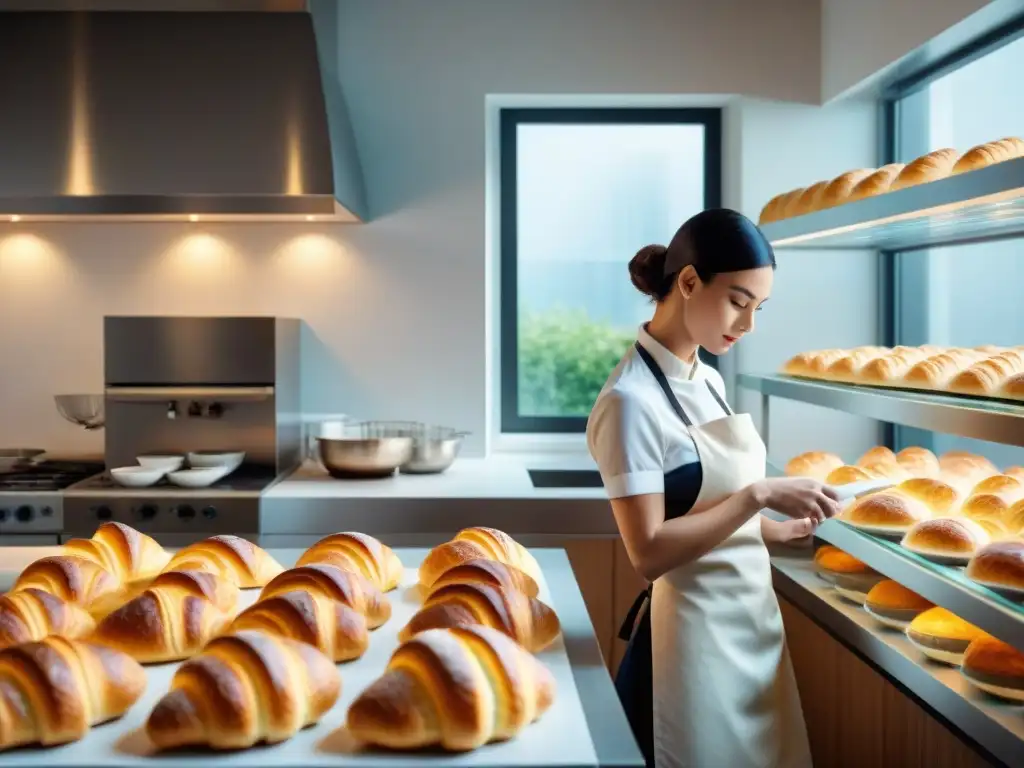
{"x":983,"y":204}
{"x":996,"y":727}
{"x":991,"y":420}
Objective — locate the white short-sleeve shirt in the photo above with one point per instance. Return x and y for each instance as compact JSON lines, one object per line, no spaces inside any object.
{"x":633,"y":433}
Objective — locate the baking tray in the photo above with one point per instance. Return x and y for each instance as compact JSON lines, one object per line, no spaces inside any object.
{"x":559,"y":738}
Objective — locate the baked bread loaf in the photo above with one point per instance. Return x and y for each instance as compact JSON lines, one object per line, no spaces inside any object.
{"x":989,"y":153}
{"x":54,"y":690}
{"x":31,"y":614}
{"x":964,"y":471}
{"x":814,"y":464}
{"x":348,"y":587}
{"x":808,"y":201}
{"x":75,"y":580}
{"x":885,"y":511}
{"x":454,"y":688}
{"x":812,"y":365}
{"x":876,"y":183}
{"x":123,"y":551}
{"x":942,"y":499}
{"x":337,"y":631}
{"x":888,"y":470}
{"x":243,"y":689}
{"x":995,"y":667}
{"x":930,"y":167}
{"x":475,"y":544}
{"x":848,"y":473}
{"x":1012,"y":388}
{"x":167,"y":622}
{"x":527,"y":620}
{"x":986,"y":377}
{"x":893,"y":604}
{"x":230,"y":557}
{"x":888,"y":370}
{"x":839,"y":189}
{"x":877,"y":455}
{"x":772,"y":209}
{"x":942,"y":635}
{"x":360,"y":553}
{"x":790,"y":205}
{"x":1015,"y":472}
{"x":851,"y":577}
{"x":953,"y":539}
{"x":936,"y":371}
{"x":999,"y":566}
{"x":490,"y":572}
{"x":847,"y":368}
{"x":1013,"y":521}
{"x":919,"y":462}
{"x":991,"y":499}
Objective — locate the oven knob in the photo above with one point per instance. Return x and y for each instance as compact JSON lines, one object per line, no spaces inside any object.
{"x":185,"y":511}
{"x":46,"y":511}
{"x":23,"y":514}
{"x":104,"y":512}
{"x":147,"y":511}
{"x":3,"y":515}
{"x":209,"y":513}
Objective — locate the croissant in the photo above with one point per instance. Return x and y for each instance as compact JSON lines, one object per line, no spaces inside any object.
{"x":475,"y":544}
{"x":348,"y":587}
{"x":527,"y":620}
{"x":455,"y":688}
{"x":75,"y":580}
{"x":360,"y":553}
{"x":168,"y":621}
{"x":243,"y":689}
{"x":336,"y":630}
{"x":52,"y":691}
{"x":220,"y":591}
{"x":228,"y":556}
{"x":121,"y":550}
{"x":31,"y":614}
{"x":490,"y":572}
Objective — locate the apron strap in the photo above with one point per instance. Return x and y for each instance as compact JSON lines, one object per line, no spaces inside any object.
{"x":629,"y":623}
{"x":719,"y":399}
{"x":659,"y":376}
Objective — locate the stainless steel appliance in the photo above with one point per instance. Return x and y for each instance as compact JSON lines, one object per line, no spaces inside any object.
{"x":175,"y":385}
{"x":31,"y":500}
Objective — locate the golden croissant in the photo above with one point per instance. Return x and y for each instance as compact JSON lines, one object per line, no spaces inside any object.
{"x":52,"y":691}
{"x":243,"y":689}
{"x":475,"y":544}
{"x":74,"y":579}
{"x":167,"y":622}
{"x":121,"y":550}
{"x":360,"y":553}
{"x":31,"y":614}
{"x":488,"y":572}
{"x":530,"y":622}
{"x":348,"y":587}
{"x":230,"y":557}
{"x":336,"y":630}
{"x":454,"y":688}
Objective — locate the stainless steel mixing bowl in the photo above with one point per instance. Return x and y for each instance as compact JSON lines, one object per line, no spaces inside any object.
{"x":433,"y":452}
{"x":358,"y":457}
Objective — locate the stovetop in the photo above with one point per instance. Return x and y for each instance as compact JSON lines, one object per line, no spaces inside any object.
{"x":48,"y":476}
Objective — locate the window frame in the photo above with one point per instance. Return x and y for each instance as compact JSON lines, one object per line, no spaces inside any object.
{"x":509,"y":120}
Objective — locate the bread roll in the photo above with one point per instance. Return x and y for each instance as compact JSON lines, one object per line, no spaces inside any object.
{"x":965,"y":471}
{"x":888,"y":470}
{"x":121,"y":550}
{"x":987,"y":154}
{"x":941,"y":635}
{"x":885,"y":511}
{"x":1015,"y":472}
{"x":919,"y":462}
{"x":474,"y":544}
{"x":1012,"y":388}
{"x":995,"y":667}
{"x":945,"y":539}
{"x":942,"y":499}
{"x":349,"y":587}
{"x":840,"y":188}
{"x":30,"y":615}
{"x":490,"y":572}
{"x":985,"y":377}
{"x":888,"y":370}
{"x":930,"y":167}
{"x":935,"y":372}
{"x":54,"y":690}
{"x":846,"y":369}
{"x":358,"y":552}
{"x":811,"y":364}
{"x":992,"y":498}
{"x":75,"y":580}
{"x":1013,"y":521}
{"x":849,"y":474}
{"x":457,"y":689}
{"x":894,"y":605}
{"x":230,"y":557}
{"x":813,"y":464}
{"x":851,"y":577}
{"x":877,"y":182}
{"x":999,"y":566}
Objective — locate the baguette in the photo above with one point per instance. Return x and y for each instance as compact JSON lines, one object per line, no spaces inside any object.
{"x":987,"y":154}
{"x":475,"y":544}
{"x":808,"y":201}
{"x":772,"y":209}
{"x":230,"y":557}
{"x":121,"y":550}
{"x":876,"y":183}
{"x":841,"y":187}
{"x":930,"y":167}
{"x":348,"y":587}
{"x":985,"y":377}
{"x":30,"y":615}
{"x":359,"y":553}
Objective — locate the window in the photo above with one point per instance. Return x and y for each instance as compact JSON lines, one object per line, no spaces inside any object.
{"x":962,"y":295}
{"x":581,"y":191}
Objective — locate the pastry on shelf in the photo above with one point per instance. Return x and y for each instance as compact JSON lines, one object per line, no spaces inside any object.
{"x":1012,"y":388}
{"x":946,"y":540}
{"x":880,"y":454}
{"x":230,"y":557}
{"x":500,"y":688}
{"x":888,"y":370}
{"x":121,"y":550}
{"x":360,"y":553}
{"x":348,"y":587}
{"x":986,"y":377}
{"x":888,"y":470}
{"x":995,"y":667}
{"x":965,"y":470}
{"x":244,"y":689}
{"x":877,"y":182}
{"x":532,"y":623}
{"x":772,"y":210}
{"x":942,"y":635}
{"x":847,"y":368}
{"x":886,"y":513}
{"x":812,"y":364}
{"x":1013,"y":521}
{"x":989,"y":153}
{"x":489,"y":572}
{"x":54,"y":690}
{"x":172,"y":619}
{"x":893,"y":605}
{"x":30,"y":615}
{"x":851,"y":577}
{"x":919,"y":462}
{"x":1015,"y":472}
{"x":813,"y":464}
{"x":337,"y":631}
{"x":999,"y":566}
{"x":75,"y":580}
{"x":807,"y":201}
{"x":935,"y":372}
{"x":841,"y":187}
{"x":930,"y":167}
{"x":991,"y":499}
{"x":473,"y":544}
{"x":848,"y":473}
{"x":941,"y":498}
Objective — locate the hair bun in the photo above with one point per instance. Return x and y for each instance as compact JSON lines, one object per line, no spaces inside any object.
{"x":647,"y":270}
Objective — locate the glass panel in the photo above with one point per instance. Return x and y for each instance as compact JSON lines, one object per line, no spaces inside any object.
{"x":589,"y":196}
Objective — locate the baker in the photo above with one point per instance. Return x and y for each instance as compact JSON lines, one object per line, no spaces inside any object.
{"x":706,"y":680}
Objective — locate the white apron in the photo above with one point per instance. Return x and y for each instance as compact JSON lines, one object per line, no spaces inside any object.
{"x":724,"y":693}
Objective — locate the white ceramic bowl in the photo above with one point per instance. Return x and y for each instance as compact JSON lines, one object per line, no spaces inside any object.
{"x":198,"y":478}
{"x":168,"y":463}
{"x":202,"y":459}
{"x":137,"y":477}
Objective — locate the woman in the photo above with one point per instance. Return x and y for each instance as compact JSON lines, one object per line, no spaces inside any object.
{"x":707,"y":680}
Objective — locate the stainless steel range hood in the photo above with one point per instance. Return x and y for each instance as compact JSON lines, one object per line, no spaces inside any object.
{"x":171,"y":114}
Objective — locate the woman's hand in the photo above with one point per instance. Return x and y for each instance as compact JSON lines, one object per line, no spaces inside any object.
{"x":799,"y":497}
{"x":787,"y":531}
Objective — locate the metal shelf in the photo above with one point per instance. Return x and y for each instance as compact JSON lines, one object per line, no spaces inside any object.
{"x":983,"y":204}
{"x":991,"y":420}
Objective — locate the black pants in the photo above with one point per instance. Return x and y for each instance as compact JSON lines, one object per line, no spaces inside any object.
{"x":633,"y":681}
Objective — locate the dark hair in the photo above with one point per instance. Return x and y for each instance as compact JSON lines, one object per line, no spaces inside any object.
{"x":714,"y":241}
